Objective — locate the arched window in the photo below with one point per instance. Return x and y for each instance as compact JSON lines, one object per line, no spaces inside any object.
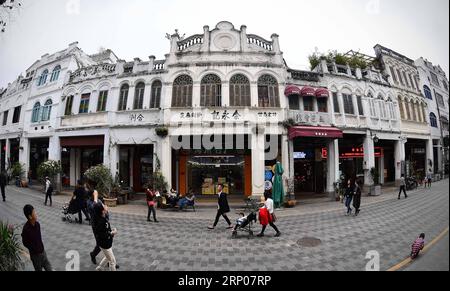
{"x":69,"y":104}
{"x":123,"y":97}
{"x":427,"y":92}
{"x":408,"y":109}
{"x":413,"y":110}
{"x":373,"y":109}
{"x":382,"y":106}
{"x":139,"y":96}
{"x":156,"y":95}
{"x":47,"y":110}
{"x":36,"y":116}
{"x":268,"y":93}
{"x":43,"y":78}
{"x":211,"y":91}
{"x":240,"y":91}
{"x":55,"y":74}
{"x":433,"y":120}
{"x":182,"y":91}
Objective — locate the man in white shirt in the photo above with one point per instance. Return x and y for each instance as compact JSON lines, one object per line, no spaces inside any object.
{"x":48,"y":191}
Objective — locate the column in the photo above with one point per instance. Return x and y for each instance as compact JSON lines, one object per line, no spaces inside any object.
{"x":54,"y":154}
{"x":196,"y":98}
{"x":341,"y":107}
{"x":164,"y":154}
{"x":54,"y":149}
{"x":73,"y":167}
{"x":286,"y":158}
{"x":381,"y":167}
{"x":254,"y":94}
{"x":429,"y":157}
{"x":440,"y":156}
{"x":369,"y":159}
{"x":93,"y":102}
{"x":332,"y":166}
{"x":258,"y":164}
{"x":106,"y":151}
{"x":225,"y":94}
{"x":130,"y":101}
{"x":114,"y":158}
{"x":8,"y":153}
{"x":24,"y":154}
{"x":399,"y":160}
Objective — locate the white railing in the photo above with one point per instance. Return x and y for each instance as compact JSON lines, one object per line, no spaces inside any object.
{"x":259,"y":41}
{"x":159,"y":65}
{"x":191,"y":41}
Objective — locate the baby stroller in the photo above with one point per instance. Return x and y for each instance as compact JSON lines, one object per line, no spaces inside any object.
{"x":245,"y":223}
{"x":69,"y":210}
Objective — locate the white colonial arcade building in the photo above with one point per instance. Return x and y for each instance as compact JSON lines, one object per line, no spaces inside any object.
{"x":222,"y":107}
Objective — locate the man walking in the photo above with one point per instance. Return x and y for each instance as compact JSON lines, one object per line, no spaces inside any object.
{"x":48,"y":191}
{"x":3,"y":182}
{"x":402,"y":187}
{"x":223,"y":208}
{"x":32,"y":240}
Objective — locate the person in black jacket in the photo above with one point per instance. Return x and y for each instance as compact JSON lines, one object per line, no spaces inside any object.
{"x":3,"y":182}
{"x":32,"y":240}
{"x":349,"y":193}
{"x":105,"y":236}
{"x":357,"y":197}
{"x":223,"y":208}
{"x":80,"y":197}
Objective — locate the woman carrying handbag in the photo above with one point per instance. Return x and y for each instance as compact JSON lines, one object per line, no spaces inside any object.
{"x":151,"y":205}
{"x":267,"y":215}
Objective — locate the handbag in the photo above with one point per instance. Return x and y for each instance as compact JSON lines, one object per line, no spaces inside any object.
{"x":274,"y":218}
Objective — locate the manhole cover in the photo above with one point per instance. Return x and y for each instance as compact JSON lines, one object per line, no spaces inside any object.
{"x":309,"y":242}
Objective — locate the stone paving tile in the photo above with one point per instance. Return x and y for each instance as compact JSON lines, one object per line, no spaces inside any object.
{"x":182,"y":242}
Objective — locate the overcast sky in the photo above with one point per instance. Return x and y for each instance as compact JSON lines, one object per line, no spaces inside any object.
{"x":137,"y":28}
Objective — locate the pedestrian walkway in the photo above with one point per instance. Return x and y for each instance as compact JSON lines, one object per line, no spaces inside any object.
{"x":207,"y":209}
{"x":182,"y":242}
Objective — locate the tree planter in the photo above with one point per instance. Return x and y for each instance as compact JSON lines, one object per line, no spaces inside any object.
{"x":375,"y":190}
{"x":162,"y":132}
{"x":290,"y":203}
{"x":110,"y":202}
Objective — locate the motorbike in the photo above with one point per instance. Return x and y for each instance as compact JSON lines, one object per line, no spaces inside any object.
{"x":411,"y":184}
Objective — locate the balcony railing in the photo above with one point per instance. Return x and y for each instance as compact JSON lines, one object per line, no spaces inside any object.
{"x":190,"y":41}
{"x":260,"y":42}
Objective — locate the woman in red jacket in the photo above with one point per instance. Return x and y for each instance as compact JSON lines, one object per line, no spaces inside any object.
{"x":267,"y":215}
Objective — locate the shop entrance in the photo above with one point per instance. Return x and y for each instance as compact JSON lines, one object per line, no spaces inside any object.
{"x":416,"y":164}
{"x":201,"y":170}
{"x":38,"y":155}
{"x":136,"y":166}
{"x":310,"y":166}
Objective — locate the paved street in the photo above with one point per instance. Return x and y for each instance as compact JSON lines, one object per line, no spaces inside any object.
{"x":182,"y":242}
{"x":432,"y":260}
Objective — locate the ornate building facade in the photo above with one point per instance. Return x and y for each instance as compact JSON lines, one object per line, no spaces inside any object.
{"x":223,"y":106}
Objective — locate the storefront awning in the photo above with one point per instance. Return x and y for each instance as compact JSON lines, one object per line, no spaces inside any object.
{"x":322,"y":93}
{"x":308,"y":91}
{"x":83,"y":141}
{"x":310,"y":131}
{"x":292,"y":90}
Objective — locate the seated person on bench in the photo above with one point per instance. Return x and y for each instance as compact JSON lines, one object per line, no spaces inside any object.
{"x":188,"y":200}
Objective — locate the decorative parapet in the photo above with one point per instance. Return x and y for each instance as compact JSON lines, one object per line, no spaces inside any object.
{"x":159,"y":65}
{"x":260,"y":42}
{"x":92,"y":72}
{"x":190,"y":41}
{"x":305,"y":76}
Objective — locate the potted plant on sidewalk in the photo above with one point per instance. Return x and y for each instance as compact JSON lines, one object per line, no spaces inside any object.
{"x":106,"y":187}
{"x":375,"y":189}
{"x":50,"y":169}
{"x":290,"y":195}
{"x":17,"y":173}
{"x":10,"y":249}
